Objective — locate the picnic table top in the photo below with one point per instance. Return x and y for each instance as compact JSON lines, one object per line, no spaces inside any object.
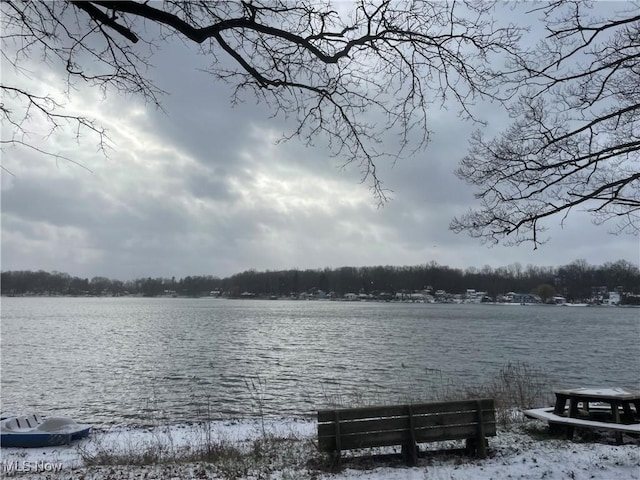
{"x":612,"y":393}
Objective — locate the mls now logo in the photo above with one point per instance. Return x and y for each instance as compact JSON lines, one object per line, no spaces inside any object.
{"x":26,"y":466}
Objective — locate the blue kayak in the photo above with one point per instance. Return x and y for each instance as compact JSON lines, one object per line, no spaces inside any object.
{"x":36,"y":431}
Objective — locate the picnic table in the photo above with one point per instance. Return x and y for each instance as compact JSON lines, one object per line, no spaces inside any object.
{"x":623,"y":405}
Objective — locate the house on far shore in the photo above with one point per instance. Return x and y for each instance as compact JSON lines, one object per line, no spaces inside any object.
{"x":614,"y":299}
{"x":525,"y":298}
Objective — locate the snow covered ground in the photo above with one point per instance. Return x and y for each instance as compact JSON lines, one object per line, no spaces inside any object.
{"x":285,"y":449}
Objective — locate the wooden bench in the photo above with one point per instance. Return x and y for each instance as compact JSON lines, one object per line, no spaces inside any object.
{"x":407,"y":426}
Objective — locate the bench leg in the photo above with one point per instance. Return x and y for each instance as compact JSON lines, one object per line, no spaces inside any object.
{"x":482,"y":447}
{"x":410,"y":454}
{"x":475,"y":447}
{"x":627,"y":416}
{"x":471,"y":445}
{"x":570,"y":430}
{"x":561,"y":402}
{"x":336,"y":459}
{"x":557,"y":429}
{"x":615,"y":410}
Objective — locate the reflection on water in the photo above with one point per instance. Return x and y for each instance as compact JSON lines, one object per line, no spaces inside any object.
{"x":135,"y":360}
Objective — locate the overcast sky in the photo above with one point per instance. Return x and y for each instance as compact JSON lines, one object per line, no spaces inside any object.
{"x":203,"y":189}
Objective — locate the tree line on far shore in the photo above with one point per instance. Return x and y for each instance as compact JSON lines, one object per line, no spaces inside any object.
{"x":576,"y":281}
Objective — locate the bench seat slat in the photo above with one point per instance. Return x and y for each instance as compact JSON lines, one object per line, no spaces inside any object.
{"x":350,"y":442}
{"x":397,"y":437}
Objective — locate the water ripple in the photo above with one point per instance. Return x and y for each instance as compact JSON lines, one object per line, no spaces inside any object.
{"x":149,"y":361}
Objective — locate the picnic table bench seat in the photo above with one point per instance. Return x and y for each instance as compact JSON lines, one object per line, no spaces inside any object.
{"x":407,"y":426}
{"x":548,"y":415}
{"x":614,"y":408}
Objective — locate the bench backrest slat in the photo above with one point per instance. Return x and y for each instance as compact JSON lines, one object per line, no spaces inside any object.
{"x":401,"y":410}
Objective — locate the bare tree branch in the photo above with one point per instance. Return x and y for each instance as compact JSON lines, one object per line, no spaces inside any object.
{"x":329,"y":72}
{"x":575,"y":142}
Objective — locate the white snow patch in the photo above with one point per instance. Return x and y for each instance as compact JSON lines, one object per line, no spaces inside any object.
{"x":514,"y":454}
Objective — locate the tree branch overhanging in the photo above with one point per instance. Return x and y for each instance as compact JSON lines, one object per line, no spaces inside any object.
{"x":366,"y":84}
{"x":575,"y":143}
{"x":326,"y":70}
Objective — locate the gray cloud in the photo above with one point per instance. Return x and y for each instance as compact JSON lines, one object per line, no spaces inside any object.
{"x":203,"y":188}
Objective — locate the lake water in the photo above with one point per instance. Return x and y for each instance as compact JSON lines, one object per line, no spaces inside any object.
{"x":142,"y":361}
